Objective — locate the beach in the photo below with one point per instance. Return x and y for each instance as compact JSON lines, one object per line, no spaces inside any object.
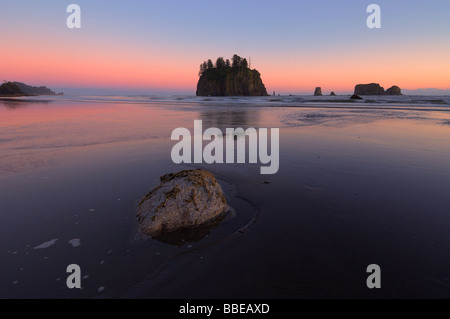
{"x":359,"y":183}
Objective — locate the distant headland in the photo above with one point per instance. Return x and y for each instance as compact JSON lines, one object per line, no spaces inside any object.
{"x":225,"y":78}
{"x":17,"y":89}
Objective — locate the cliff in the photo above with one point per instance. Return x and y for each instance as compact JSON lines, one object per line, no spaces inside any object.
{"x":224,"y":79}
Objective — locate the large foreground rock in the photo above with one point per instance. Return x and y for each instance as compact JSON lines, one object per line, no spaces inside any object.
{"x":183,"y":201}
{"x":369,"y":89}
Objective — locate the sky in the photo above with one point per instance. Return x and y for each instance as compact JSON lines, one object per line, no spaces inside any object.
{"x":157,"y":46}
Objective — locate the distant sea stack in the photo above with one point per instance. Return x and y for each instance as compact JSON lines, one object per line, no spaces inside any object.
{"x":369,"y":89}
{"x":318,"y":91}
{"x":376,"y":89}
{"x":395,"y":90}
{"x":332,"y":94}
{"x":225,"y":78}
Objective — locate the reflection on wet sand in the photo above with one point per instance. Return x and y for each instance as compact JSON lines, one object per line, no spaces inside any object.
{"x":223,"y":118}
{"x":184,"y":236}
{"x":14,"y":104}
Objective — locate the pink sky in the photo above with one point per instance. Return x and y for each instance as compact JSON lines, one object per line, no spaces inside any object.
{"x":167,"y":57}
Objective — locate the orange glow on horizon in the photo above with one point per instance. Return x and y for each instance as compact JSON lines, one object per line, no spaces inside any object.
{"x":89,"y":63}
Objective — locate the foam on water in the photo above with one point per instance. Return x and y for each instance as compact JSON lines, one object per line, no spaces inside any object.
{"x":47,"y":244}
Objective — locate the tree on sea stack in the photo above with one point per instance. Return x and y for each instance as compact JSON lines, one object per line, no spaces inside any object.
{"x":236,"y":61}
{"x":220,"y":64}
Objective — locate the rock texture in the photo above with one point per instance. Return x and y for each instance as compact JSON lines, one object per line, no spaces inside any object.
{"x":231,"y":82}
{"x":184,"y":201}
{"x":369,"y":89}
{"x":395,"y":90}
{"x":318,"y":91}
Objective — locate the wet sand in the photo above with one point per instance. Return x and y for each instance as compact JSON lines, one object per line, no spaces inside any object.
{"x":357,"y":185}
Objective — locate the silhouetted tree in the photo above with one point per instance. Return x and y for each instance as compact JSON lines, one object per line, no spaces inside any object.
{"x":203,"y":68}
{"x":227,"y":63}
{"x":210,"y":64}
{"x":244,"y":63}
{"x":220,"y":63}
{"x":237,"y":60}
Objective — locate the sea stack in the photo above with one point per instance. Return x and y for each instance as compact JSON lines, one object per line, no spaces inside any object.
{"x":395,"y":90}
{"x":332,"y":94}
{"x":225,"y":78}
{"x":369,"y":89}
{"x":318,"y":91}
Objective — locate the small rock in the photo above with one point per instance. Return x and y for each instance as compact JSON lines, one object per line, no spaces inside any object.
{"x":356,"y":97}
{"x":75,"y":242}
{"x":47,"y":244}
{"x":318,"y":91}
{"x":332,"y":94}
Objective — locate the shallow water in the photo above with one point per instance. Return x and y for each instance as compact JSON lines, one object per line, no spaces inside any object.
{"x":359,"y":183}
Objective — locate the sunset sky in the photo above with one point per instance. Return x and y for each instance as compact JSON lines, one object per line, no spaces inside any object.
{"x":157,"y":46}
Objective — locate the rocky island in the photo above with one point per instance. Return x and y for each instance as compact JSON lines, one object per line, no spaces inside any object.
{"x":376,"y":89}
{"x":225,"y":78}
